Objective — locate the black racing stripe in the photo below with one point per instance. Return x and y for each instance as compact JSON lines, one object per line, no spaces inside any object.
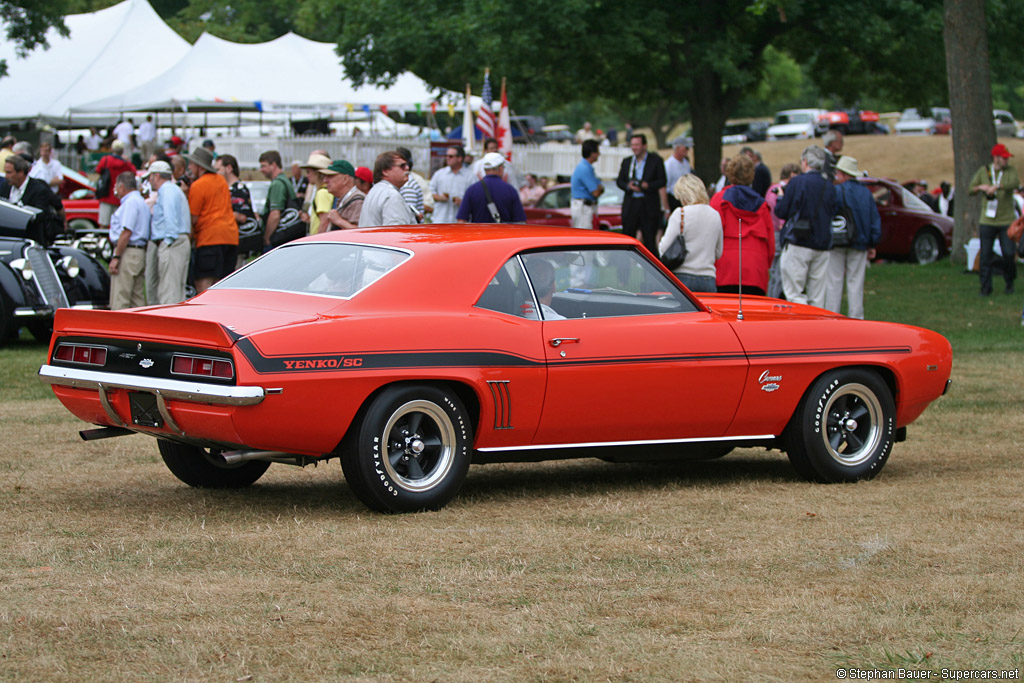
{"x":790,"y":353}
{"x":380,"y":360}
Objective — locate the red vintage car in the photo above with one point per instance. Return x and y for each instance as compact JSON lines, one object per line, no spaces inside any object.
{"x":411,"y":352}
{"x":553,"y":208}
{"x":82,"y":210}
{"x":910,"y":228}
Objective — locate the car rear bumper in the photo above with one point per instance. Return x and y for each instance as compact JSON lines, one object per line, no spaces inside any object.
{"x":172,"y":389}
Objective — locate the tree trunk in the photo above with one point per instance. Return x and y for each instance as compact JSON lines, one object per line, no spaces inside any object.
{"x":710,"y":111}
{"x":970,"y":101}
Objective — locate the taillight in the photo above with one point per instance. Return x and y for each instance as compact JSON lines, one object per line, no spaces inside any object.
{"x":198,"y":366}
{"x":81,"y":353}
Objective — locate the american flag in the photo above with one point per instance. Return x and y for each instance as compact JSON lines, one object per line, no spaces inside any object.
{"x":485,"y":119}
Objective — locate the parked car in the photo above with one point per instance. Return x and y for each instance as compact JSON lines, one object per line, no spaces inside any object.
{"x":529,"y":343}
{"x":553,"y":208}
{"x":910,"y":229}
{"x":739,"y":133}
{"x":924,"y":122}
{"x":853,"y":121}
{"x":36,"y":281}
{"x":1006,"y":125}
{"x":802,"y":124}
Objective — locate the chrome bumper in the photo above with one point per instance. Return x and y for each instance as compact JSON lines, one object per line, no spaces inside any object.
{"x":172,"y":389}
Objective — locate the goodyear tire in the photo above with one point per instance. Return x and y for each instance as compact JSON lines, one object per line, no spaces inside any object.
{"x":843,"y":429}
{"x":202,"y":469}
{"x":411,"y":450}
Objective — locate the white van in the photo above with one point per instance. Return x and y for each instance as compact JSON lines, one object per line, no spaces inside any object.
{"x":797,"y":124}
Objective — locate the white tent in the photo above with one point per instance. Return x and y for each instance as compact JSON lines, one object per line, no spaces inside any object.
{"x":290,"y":75}
{"x":107,"y":52}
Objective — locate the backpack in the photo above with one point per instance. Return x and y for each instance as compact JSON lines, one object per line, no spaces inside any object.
{"x":103,"y":184}
{"x":844,"y":225}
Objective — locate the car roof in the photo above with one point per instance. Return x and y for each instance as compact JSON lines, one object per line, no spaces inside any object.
{"x":484,"y":237}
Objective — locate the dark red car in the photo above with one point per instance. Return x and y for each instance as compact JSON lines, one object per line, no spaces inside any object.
{"x":910,"y":229}
{"x":553,"y":208}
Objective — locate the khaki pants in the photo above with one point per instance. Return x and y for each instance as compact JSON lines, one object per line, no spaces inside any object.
{"x":167,"y":270}
{"x":804,"y":269}
{"x":128,"y":287}
{"x":846,"y":264}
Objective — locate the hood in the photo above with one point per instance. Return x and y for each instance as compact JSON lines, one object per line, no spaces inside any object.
{"x":743,"y":199}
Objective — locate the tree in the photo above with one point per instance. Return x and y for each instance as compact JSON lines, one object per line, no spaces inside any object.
{"x":967,"y":67}
{"x":26,"y":24}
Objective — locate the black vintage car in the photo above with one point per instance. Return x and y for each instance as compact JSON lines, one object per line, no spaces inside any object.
{"x":36,"y":280}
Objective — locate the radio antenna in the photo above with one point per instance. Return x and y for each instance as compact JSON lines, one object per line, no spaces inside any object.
{"x":739,"y":315}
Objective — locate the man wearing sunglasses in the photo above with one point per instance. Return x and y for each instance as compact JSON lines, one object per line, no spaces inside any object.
{"x":384,"y":205}
{"x":449,"y":185}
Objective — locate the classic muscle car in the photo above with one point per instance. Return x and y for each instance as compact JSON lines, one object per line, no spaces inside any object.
{"x":412,"y":352}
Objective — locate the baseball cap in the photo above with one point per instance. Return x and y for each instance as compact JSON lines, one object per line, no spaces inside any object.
{"x":339,"y":167}
{"x":364,"y":174}
{"x":1001,"y":151}
{"x":493,"y":160}
{"x":157,"y":167}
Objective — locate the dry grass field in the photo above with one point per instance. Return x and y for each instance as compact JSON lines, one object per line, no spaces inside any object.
{"x":728,"y":570}
{"x":901,"y":158}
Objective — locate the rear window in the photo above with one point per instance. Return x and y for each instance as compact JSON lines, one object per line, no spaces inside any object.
{"x":318,"y":268}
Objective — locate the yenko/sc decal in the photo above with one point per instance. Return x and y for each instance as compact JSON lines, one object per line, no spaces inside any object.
{"x":323,"y":363}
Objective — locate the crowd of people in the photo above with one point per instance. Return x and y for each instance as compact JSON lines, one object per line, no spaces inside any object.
{"x":188,"y":217}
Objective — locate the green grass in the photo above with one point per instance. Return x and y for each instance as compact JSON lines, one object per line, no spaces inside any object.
{"x":944,"y":298}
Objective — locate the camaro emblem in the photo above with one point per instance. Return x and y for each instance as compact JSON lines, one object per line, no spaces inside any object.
{"x":768,"y":381}
{"x":146,"y":363}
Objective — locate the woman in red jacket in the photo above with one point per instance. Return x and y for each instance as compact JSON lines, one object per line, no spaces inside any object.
{"x":743,"y":209}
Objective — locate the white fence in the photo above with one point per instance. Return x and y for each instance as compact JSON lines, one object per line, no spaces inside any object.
{"x":550,"y":159}
{"x":359,"y":151}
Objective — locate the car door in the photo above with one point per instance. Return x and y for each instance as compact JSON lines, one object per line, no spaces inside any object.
{"x":630,"y":358}
{"x":552,"y":209}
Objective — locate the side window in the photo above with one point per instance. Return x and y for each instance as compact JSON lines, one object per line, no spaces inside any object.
{"x":600,"y":283}
{"x":564,"y":197}
{"x":508,"y":291}
{"x":549,"y":200}
{"x":882,"y":195}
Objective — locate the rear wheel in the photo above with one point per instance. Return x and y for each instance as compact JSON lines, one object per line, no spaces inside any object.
{"x":843,"y":429}
{"x":411,"y":451}
{"x":203,"y":468}
{"x":926,"y":247}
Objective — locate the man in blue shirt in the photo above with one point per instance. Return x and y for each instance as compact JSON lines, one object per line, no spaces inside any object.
{"x":491,"y":200}
{"x":586,"y":188}
{"x":850,"y":261}
{"x":169,"y":248}
{"x":129,"y":233}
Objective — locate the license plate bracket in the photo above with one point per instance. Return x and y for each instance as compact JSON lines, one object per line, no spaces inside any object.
{"x":145,"y":412}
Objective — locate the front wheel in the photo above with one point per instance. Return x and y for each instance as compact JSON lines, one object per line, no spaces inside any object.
{"x":926,"y":247}
{"x":205,"y":469}
{"x":411,"y":450}
{"x":843,"y":429}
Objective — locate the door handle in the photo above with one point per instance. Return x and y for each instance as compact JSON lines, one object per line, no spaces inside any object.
{"x":558,"y":341}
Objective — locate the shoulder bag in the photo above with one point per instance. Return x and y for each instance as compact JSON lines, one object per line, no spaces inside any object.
{"x":675,"y":255}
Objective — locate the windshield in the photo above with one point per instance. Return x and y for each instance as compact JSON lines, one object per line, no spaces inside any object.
{"x":782,"y":119}
{"x":911,"y":201}
{"x":318,"y":268}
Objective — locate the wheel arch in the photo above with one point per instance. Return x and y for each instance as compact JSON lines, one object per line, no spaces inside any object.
{"x":466,"y":393}
{"x":886,"y":374}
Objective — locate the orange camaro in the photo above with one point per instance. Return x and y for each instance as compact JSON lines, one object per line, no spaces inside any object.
{"x":411,"y":352}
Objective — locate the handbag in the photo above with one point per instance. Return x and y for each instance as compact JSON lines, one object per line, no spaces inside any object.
{"x":800,"y":229}
{"x":675,"y":255}
{"x":1016,"y":229}
{"x":290,"y":226}
{"x":844,"y":225}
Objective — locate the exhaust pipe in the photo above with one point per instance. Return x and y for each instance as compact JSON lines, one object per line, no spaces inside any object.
{"x":235,"y":457}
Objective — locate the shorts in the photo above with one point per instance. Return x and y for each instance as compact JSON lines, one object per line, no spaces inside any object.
{"x":106,"y":213}
{"x":215,"y":260}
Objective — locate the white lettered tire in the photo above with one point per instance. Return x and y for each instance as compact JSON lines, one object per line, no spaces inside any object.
{"x":411,"y":451}
{"x":843,"y":429}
